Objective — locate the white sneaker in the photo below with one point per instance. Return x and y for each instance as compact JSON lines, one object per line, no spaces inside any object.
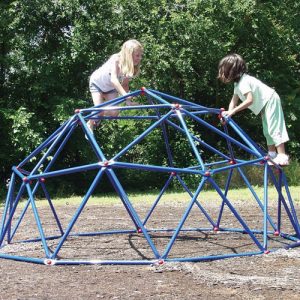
{"x":281,"y":159}
{"x":90,"y":126}
{"x":272,"y":154}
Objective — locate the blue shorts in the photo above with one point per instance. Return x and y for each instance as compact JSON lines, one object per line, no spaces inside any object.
{"x":94,"y":88}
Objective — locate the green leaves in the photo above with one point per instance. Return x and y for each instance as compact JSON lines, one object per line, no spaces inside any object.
{"x":49,"y":48}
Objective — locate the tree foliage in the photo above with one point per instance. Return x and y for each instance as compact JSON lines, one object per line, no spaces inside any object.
{"x":49,"y":48}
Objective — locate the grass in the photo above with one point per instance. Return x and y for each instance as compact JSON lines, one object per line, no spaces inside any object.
{"x":171,"y":197}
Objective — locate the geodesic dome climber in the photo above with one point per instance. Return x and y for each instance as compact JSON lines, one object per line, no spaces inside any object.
{"x":219,"y":151}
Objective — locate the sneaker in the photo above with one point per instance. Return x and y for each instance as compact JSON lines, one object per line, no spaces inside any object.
{"x":281,"y":159}
{"x":90,"y":126}
{"x":272,"y":154}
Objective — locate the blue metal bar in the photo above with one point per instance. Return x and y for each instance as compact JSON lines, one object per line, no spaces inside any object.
{"x":105,"y":262}
{"x":246,"y":138}
{"x":143,"y":135}
{"x":202,"y":143}
{"x":212,"y":257}
{"x":265,"y":211}
{"x":294,"y":245}
{"x":195,"y":150}
{"x":43,"y":145}
{"x":236,"y":165}
{"x":184,"y":217}
{"x":60,"y":148}
{"x":66,"y":171}
{"x":17,"y":172}
{"x":51,"y":148}
{"x":227,"y":141}
{"x":210,"y":220}
{"x":8,"y":202}
{"x":230,"y":206}
{"x":52,"y":208}
{"x":157,"y":199}
{"x":91,"y":139}
{"x":114,"y":101}
{"x":225,"y":194}
{"x":124,"y":199}
{"x":121,"y":108}
{"x":256,"y":197}
{"x":22,"y":258}
{"x":132,"y":211}
{"x":292,"y":208}
{"x":165,"y":135}
{"x":182,"y":101}
{"x":279,"y":206}
{"x":7,"y":227}
{"x":292,"y":216}
{"x":128,"y":118}
{"x":250,"y":150}
{"x":297,"y":226}
{"x":38,"y":183}
{"x":78,"y":211}
{"x":154,"y":168}
{"x":156,"y":97}
{"x":37,"y":219}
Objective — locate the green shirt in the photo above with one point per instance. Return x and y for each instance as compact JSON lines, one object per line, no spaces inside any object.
{"x":261,"y":93}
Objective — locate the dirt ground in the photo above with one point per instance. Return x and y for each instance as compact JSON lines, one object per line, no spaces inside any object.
{"x":268,"y":276}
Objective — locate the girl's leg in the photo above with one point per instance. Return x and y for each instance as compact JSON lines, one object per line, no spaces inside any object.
{"x":97,"y":99}
{"x":111,"y":113}
{"x":280,"y":149}
{"x":272,"y":151}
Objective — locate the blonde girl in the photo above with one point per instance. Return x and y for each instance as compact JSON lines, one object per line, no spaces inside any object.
{"x":112,"y":78}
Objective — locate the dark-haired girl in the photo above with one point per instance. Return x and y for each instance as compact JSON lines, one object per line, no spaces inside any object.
{"x":259,"y":98}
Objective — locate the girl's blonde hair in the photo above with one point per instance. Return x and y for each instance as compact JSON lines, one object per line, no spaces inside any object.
{"x":127,"y":67}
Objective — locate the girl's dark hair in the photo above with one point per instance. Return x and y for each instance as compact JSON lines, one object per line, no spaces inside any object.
{"x":231,"y":68}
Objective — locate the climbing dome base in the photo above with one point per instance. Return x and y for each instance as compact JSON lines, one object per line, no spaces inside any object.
{"x":200,"y":225}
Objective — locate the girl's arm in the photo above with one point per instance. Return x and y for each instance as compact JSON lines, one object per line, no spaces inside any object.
{"x":125,"y":84}
{"x":234,"y":108}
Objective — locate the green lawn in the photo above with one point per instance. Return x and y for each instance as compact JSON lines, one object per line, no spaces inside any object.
{"x":175,"y":197}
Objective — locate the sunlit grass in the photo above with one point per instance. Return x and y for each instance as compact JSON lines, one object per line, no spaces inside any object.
{"x":170,"y":197}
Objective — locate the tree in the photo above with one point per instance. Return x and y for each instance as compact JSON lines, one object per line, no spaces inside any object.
{"x":49,"y":48}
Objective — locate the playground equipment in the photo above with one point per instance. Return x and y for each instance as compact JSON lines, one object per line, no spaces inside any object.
{"x":167,"y":114}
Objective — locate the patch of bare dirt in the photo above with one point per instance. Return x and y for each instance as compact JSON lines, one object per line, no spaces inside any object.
{"x":268,"y":276}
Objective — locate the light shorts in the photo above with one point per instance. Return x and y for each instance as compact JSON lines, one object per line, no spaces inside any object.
{"x":94,"y":88}
{"x":274,"y":128}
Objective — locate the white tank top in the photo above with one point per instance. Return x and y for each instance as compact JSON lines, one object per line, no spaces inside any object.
{"x":102,"y":76}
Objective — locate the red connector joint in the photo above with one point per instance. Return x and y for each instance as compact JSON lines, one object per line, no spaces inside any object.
{"x":173,"y":173}
{"x":77,"y":111}
{"x":177,"y":105}
{"x":49,"y":262}
{"x":264,"y":160}
{"x":220,"y":114}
